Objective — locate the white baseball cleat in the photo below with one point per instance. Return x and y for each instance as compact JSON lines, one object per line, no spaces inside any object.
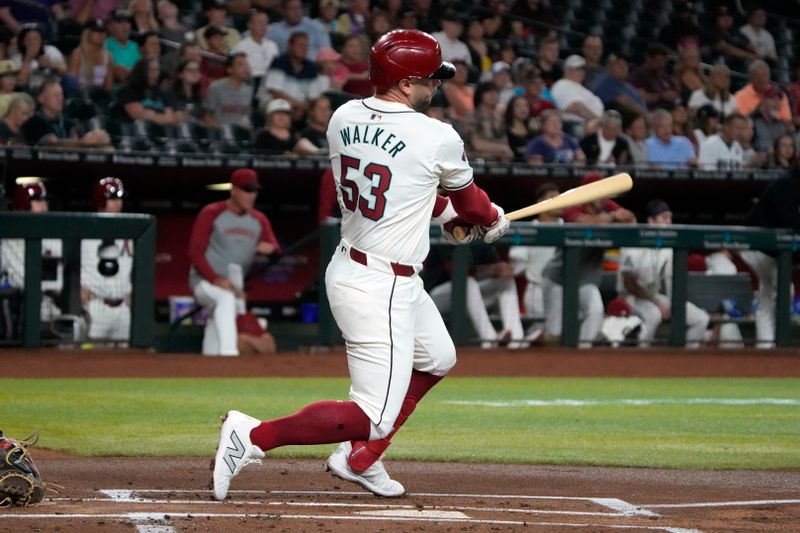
{"x":235,"y":451}
{"x":375,"y":478}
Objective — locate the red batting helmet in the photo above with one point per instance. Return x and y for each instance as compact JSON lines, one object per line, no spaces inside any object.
{"x":107,"y":189}
{"x":27,"y":192}
{"x":402,"y":54}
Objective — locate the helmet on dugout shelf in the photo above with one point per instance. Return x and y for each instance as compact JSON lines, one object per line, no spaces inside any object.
{"x":402,"y":54}
{"x":107,"y":189}
{"x":27,"y":192}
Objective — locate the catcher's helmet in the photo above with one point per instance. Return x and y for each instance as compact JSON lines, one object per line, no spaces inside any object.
{"x":402,"y":54}
{"x":24,"y":194}
{"x":107,"y":189}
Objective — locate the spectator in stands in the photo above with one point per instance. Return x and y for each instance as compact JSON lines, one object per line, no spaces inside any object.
{"x":603,"y":211}
{"x":656,"y":87}
{"x":682,"y":30}
{"x":532,"y":259}
{"x":571,"y":96}
{"x":539,"y":97}
{"x":354,"y":60}
{"x":553,"y":145}
{"x":294,"y":78}
{"x":313,"y":139}
{"x":722,"y":151}
{"x":592,"y":51}
{"x":793,"y":91}
{"x":212,"y":253}
{"x":500,"y":77}
{"x":36,"y":60}
{"x":293,"y":22}
{"x":664,"y":149}
{"x":353,"y":18}
{"x":749,"y":97}
{"x":41,"y":13}
{"x":106,"y":267}
{"x":706,"y":123}
{"x":784,"y":152}
{"x":615,"y":91}
{"x":716,"y":92}
{"x":490,"y":282}
{"x":761,"y":40}
{"x":169,"y":27}
{"x":144,"y":21}
{"x":84,"y":10}
{"x":328,"y":18}
{"x":19,"y":109}
{"x":526,"y":14}
{"x":547,"y":61}
{"x":520,"y":127}
{"x":90,"y":62}
{"x":49,"y":127}
{"x":184,"y":93}
{"x":459,"y":94}
{"x":329,"y":65}
{"x":215,"y":13}
{"x":606,"y":147}
{"x":767,"y":120}
{"x":727,"y":43}
{"x":141,"y":97}
{"x":646,"y":283}
{"x":682,"y":125}
{"x":477,"y":45}
{"x":260,"y":51}
{"x":150,"y":45}
{"x":229,"y":99}
{"x":8,"y":84}
{"x":688,"y":74}
{"x":277,"y":136}
{"x":636,"y":135}
{"x":449,"y":38}
{"x":484,"y":128}
{"x":751,"y":157}
{"x":212,"y":64}
{"x":124,"y":52}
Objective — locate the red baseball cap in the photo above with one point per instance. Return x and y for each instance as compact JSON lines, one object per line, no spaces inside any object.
{"x":246,"y":179}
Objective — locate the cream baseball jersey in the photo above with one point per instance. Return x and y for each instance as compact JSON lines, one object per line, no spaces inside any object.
{"x":388,"y":161}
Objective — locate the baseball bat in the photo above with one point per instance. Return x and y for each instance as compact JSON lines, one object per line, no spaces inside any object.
{"x":604,"y":188}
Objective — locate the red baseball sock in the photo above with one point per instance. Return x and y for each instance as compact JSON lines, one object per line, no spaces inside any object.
{"x":322,"y":422}
{"x":365,"y":453}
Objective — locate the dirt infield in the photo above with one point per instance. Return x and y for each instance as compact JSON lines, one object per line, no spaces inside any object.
{"x":163,"y":495}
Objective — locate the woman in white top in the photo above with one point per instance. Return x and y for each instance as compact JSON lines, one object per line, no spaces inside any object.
{"x":717,"y":93}
{"x":35,"y":59}
{"x":90,"y":61}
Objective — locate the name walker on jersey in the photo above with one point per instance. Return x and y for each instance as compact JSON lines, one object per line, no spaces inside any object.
{"x":375,"y":136}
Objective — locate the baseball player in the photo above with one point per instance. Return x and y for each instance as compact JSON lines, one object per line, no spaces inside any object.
{"x":388,"y":160}
{"x":646,"y":282}
{"x":226,"y":236}
{"x":33,"y":197}
{"x":106,"y":267}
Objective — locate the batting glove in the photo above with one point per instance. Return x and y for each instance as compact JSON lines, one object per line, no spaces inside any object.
{"x":448,"y":220}
{"x":496,"y":230}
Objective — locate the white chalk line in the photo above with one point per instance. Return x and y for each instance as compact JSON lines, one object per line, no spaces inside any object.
{"x":153,"y":528}
{"x":743,"y":503}
{"x":138,"y":517}
{"x":568,"y":402}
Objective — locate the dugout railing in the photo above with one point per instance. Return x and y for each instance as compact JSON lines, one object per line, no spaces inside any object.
{"x":575,"y":237}
{"x":71,"y":228}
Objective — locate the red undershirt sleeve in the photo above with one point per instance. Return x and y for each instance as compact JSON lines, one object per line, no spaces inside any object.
{"x":439,"y":205}
{"x":201,"y":235}
{"x":473,"y":205}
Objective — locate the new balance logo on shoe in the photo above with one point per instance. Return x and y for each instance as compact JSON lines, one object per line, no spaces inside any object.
{"x":234,"y":453}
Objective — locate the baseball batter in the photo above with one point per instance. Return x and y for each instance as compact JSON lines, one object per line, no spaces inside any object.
{"x":388,"y":159}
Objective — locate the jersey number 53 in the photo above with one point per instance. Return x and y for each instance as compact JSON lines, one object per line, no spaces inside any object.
{"x":378,"y":175}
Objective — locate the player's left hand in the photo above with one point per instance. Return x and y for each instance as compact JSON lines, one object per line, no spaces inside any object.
{"x":496,"y":230}
{"x":472,"y":232}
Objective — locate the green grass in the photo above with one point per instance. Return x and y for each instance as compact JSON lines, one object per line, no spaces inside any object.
{"x":180,"y":417}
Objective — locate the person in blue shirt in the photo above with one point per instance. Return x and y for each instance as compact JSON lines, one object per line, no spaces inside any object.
{"x":664,"y":149}
{"x":553,"y":145}
{"x":295,"y":21}
{"x":613,"y":89}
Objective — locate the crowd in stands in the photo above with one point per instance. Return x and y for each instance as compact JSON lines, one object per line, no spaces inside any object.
{"x":264,"y":75}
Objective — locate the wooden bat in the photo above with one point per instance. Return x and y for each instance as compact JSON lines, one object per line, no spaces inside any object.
{"x":604,"y":188}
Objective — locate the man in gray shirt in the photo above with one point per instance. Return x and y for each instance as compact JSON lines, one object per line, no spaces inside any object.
{"x":229,"y":99}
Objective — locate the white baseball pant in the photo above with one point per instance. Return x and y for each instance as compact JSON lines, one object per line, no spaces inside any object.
{"x":766,"y":270}
{"x":696,"y":320}
{"x":219,"y":335}
{"x":390,"y":327}
{"x":591,"y":311}
{"x":480,"y":295}
{"x":108,"y":322}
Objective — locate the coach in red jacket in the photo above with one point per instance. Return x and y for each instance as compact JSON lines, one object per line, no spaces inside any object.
{"x":225,"y":233}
